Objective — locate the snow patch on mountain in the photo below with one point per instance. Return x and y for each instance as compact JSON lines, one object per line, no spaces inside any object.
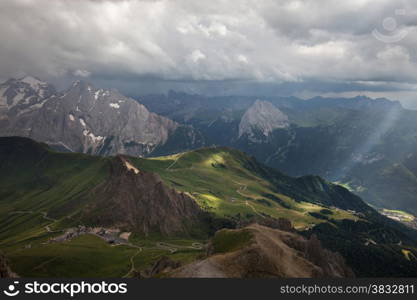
{"x":23,"y":95}
{"x":16,"y":99}
{"x":82,"y":122}
{"x":97,"y":94}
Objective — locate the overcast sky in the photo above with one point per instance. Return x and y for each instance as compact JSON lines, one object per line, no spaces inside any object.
{"x":304,"y":48}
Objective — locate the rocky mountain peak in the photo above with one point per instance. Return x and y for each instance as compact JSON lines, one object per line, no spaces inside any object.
{"x":79,"y":84}
{"x":262,"y":118}
{"x":138,"y":200}
{"x":21,"y":95}
{"x":81,"y":119}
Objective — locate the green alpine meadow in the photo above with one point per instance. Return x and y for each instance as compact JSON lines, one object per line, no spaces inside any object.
{"x":49,"y":229}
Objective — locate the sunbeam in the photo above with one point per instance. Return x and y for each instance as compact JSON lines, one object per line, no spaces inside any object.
{"x":362,"y":151}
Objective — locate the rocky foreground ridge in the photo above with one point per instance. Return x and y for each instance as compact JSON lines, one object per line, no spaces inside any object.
{"x":261,"y":252}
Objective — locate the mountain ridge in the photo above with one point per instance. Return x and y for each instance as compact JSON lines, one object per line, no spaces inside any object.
{"x":89,"y":120}
{"x":45,"y":193}
{"x":349,"y":141}
{"x":262,"y":116}
{"x":261,"y":252}
{"x":355,"y":141}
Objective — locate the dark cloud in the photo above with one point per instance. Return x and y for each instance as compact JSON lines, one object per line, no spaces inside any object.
{"x":311,"y":45}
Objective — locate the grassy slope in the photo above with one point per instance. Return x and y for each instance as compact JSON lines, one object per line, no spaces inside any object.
{"x":387,"y":181}
{"x":231,"y":240}
{"x":87,"y":256}
{"x":40,"y":188}
{"x":218,"y":179}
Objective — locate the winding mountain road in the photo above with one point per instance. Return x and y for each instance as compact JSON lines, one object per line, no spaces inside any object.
{"x":132,"y":263}
{"x":240,"y":190}
{"x":174,"y":162}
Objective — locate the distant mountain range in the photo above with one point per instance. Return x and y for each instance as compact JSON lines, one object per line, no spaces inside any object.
{"x":368,"y":145}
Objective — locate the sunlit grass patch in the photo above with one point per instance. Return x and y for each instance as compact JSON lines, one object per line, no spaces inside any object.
{"x":409,"y":255}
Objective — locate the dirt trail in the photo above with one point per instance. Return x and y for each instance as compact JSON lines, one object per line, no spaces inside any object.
{"x":240,"y":190}
{"x":45,"y":216}
{"x":254,"y":209}
{"x":159,"y":245}
{"x":21,"y":212}
{"x":132,"y":263}
{"x":45,"y":263}
{"x":164,"y":246}
{"x":174,"y":162}
{"x":197,"y":246}
{"x":174,"y":248}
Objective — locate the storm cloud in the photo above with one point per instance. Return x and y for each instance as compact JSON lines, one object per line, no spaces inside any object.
{"x":360,"y":44}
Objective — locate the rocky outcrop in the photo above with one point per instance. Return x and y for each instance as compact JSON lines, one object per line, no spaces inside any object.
{"x":260,"y":120}
{"x":139,"y":201}
{"x":5,"y":271}
{"x":19,"y":97}
{"x":269,"y":253}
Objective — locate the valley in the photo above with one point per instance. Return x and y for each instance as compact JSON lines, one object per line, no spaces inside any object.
{"x":368,"y":144}
{"x":144,"y":139}
{"x":58,"y":216}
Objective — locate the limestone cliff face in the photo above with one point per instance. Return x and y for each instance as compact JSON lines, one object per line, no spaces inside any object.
{"x":261,"y":119}
{"x":139,"y":201}
{"x":270,"y":253}
{"x":83,"y":119}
